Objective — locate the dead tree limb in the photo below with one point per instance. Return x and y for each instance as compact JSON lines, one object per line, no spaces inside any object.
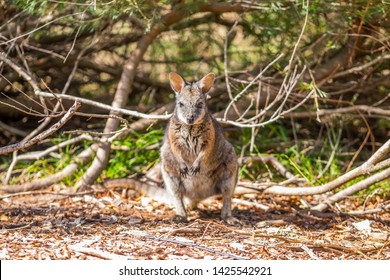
{"x":83,"y":158}
{"x":27,"y":144}
{"x":373,"y":164}
{"x":363,"y":184}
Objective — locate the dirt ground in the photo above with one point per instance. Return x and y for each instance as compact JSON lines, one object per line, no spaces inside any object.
{"x":110,"y":225}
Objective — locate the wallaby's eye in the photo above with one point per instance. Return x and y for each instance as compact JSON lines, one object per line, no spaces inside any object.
{"x":199,"y":105}
{"x":181,"y":104}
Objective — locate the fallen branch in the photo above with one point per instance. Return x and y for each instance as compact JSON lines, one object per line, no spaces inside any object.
{"x":83,"y":158}
{"x":80,"y":247}
{"x":376,"y":178}
{"x":27,"y":144}
{"x":373,"y":164}
{"x":369,"y":211}
{"x":98,"y":253}
{"x":263,"y":207}
{"x":12,"y":130}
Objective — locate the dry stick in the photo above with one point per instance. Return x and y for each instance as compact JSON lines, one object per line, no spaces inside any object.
{"x":23,"y":108}
{"x":13,"y":130}
{"x":39,"y":154}
{"x":83,"y":158}
{"x":98,"y":253}
{"x":112,"y":109}
{"x":61,"y":96}
{"x":333,"y":153}
{"x":43,"y":135}
{"x":362,"y":67}
{"x":368,"y":211}
{"x":51,"y":193}
{"x":371,"y":165}
{"x":324,"y":112}
{"x":225,"y":63}
{"x":46,"y":121}
{"x":385,"y":174}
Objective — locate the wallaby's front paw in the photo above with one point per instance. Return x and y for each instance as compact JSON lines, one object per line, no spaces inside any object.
{"x":183,"y":170}
{"x":179,"y":219}
{"x":194,"y":170}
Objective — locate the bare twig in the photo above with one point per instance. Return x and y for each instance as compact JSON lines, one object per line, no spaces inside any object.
{"x":225,"y":63}
{"x":12,"y":130}
{"x":369,"y":211}
{"x":238,"y":96}
{"x":83,"y":158}
{"x":85,"y":101}
{"x":43,"y":135}
{"x":363,"y":184}
{"x":98,"y":253}
{"x":333,"y":153}
{"x":363,"y":66}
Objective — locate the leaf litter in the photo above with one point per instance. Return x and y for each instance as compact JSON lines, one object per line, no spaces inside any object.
{"x":104,"y":225}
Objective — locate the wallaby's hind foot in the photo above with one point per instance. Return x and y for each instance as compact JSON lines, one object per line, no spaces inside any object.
{"x":232,"y":221}
{"x":180,"y":219}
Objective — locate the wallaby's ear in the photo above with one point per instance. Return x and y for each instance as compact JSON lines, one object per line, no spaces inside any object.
{"x":177,"y":82}
{"x":206,"y":82}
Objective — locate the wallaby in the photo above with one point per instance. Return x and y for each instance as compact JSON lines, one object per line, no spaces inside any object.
{"x":196,"y":160}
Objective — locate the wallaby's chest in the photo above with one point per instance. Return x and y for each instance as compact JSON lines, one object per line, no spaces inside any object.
{"x":192,"y":139}
{"x":189,"y":140}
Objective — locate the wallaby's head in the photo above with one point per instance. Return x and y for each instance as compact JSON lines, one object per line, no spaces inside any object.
{"x":191,"y":98}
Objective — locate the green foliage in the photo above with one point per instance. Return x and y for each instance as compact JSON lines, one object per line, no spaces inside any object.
{"x":137,"y":153}
{"x":307,"y":162}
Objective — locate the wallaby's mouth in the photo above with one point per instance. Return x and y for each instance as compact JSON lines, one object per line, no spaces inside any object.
{"x":191,"y":121}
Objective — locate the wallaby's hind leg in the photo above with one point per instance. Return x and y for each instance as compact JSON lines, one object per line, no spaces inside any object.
{"x":172,"y":185}
{"x":227,"y":186}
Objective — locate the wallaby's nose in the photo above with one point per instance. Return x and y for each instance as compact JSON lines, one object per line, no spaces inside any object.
{"x":190,"y":120}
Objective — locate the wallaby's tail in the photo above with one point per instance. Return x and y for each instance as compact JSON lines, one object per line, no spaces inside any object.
{"x":155,"y":192}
